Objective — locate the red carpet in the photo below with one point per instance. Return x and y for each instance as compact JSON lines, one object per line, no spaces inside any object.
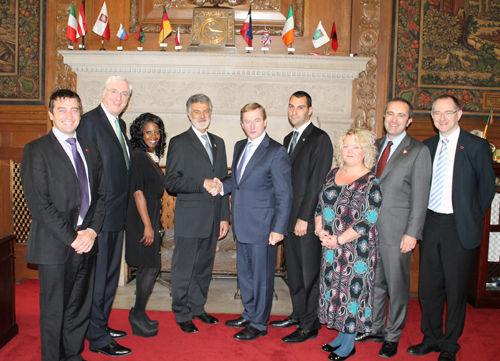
{"x":480,"y":340}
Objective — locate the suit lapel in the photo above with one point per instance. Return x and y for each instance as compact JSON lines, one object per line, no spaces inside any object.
{"x":106,"y":125}
{"x":89,"y":160}
{"x":301,"y":141}
{"x":397,"y":156}
{"x":214,"y":146}
{"x":197,"y":145}
{"x":256,"y":157}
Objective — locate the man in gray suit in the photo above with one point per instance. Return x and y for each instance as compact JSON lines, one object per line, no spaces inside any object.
{"x":404,"y":169}
{"x":194,"y":158}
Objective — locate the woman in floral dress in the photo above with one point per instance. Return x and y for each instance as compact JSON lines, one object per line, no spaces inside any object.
{"x":345,"y":220}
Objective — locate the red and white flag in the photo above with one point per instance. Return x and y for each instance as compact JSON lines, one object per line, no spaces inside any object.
{"x":82,"y":26}
{"x":101,"y":26}
{"x":178,"y":36}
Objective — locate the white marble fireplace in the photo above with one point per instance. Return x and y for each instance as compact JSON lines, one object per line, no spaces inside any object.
{"x":163,"y":81}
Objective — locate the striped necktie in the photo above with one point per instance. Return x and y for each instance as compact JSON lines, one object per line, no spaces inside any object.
{"x":439,"y":176}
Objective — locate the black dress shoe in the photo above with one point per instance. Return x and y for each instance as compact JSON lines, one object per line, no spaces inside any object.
{"x":287,"y":322}
{"x":239,"y":322}
{"x":422,"y":349}
{"x":363,"y":337}
{"x":334,"y":357}
{"x":447,"y":356}
{"x":116,"y":333}
{"x":249,"y":333}
{"x":327,"y":348}
{"x":188,"y":327}
{"x":113,"y":350}
{"x":389,"y":349}
{"x":206,"y":318}
{"x":300,"y":335}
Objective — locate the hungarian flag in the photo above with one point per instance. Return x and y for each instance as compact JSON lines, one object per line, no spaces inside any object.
{"x":140,"y":35}
{"x":178,"y":36}
{"x":166,"y":28}
{"x":335,"y":42}
{"x":101,"y":26}
{"x":72,"y":30}
{"x":82,"y":26}
{"x":246,"y":29}
{"x":320,"y":38}
{"x":288,"y":29}
{"x":266,"y":40}
{"x":122,"y":34}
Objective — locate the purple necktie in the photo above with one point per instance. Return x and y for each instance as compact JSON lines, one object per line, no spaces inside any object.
{"x":82,"y":178}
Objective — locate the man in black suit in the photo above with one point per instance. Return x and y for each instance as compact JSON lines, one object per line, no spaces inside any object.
{"x":194,"y":159}
{"x":311,"y":154}
{"x":64,"y":187}
{"x":463,"y":186}
{"x":261,"y":188}
{"x":104,"y":126}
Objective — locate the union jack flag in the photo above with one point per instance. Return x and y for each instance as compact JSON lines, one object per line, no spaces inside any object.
{"x":266,"y":40}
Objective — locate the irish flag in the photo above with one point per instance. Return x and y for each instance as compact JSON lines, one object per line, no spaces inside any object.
{"x":288,"y":29}
{"x":72,"y":30}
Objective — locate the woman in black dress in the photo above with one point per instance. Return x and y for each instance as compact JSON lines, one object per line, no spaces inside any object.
{"x":143,"y":242}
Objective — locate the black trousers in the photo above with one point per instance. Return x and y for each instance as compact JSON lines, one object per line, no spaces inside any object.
{"x":303,"y":261}
{"x":106,"y":281}
{"x":445,"y":269}
{"x":65,"y":305}
{"x":191,"y":272}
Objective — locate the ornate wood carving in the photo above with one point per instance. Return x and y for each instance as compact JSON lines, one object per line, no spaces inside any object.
{"x":366,"y":92}
{"x":65,"y":78}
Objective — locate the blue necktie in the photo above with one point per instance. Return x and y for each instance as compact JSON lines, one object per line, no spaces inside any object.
{"x":239,"y":171}
{"x":82,"y":178}
{"x":439,"y":176}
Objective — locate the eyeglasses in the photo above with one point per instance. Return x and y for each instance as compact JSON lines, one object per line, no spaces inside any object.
{"x":353,"y":147}
{"x":446,"y":114}
{"x":116,"y":93}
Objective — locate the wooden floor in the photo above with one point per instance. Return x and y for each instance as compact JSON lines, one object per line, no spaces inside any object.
{"x":24,"y":270}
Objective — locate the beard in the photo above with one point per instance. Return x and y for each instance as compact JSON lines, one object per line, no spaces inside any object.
{"x":196,"y":123}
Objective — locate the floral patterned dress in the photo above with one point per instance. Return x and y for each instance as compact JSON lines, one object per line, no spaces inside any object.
{"x":348,"y":272}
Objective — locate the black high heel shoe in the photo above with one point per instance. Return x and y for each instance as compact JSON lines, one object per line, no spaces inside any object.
{"x":140,"y":325}
{"x":152,"y":323}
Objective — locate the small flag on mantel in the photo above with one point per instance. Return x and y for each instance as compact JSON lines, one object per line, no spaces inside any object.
{"x":320,"y":38}
{"x":289,"y":28}
{"x":246,"y":29}
{"x":101,"y":26}
{"x":72,"y":29}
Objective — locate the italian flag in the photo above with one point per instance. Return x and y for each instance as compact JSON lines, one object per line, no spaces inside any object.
{"x":288,"y":29}
{"x":71,"y":31}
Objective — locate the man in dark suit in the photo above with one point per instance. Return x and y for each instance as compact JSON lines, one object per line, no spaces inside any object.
{"x":261,"y":190}
{"x":194,"y":158}
{"x":462,"y":188}
{"x":104,"y":126}
{"x":64,"y":187}
{"x":311,"y":153}
{"x":404,"y":170}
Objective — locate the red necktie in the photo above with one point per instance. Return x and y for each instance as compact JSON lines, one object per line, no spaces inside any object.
{"x":383,"y":159}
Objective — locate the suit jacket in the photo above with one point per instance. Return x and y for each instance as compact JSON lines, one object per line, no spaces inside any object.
{"x":52,"y":192}
{"x":188,"y":165}
{"x":405,"y":184}
{"x":96,"y":127}
{"x":262,"y":200}
{"x":311,"y":160}
{"x":473,"y":186}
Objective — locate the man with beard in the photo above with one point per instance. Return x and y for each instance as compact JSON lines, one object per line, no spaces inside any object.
{"x":194,"y":158}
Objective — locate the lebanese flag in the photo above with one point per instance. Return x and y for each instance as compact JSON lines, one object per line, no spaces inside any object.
{"x":82,"y":26}
{"x":246,"y":29}
{"x":71,"y":31}
{"x":101,"y":26}
{"x":178,"y":36}
{"x":335,"y":41}
{"x":289,"y":28}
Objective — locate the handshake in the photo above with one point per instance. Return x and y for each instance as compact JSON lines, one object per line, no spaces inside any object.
{"x":213,"y":186}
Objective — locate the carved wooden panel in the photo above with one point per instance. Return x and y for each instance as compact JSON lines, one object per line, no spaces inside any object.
{"x":65,"y":78}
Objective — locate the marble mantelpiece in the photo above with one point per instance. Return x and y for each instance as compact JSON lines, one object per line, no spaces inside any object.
{"x":163,"y":81}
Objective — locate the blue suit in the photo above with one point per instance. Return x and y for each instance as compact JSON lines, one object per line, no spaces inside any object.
{"x":261,"y":204}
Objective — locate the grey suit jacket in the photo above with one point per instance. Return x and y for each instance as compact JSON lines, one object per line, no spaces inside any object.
{"x":405,"y":184}
{"x":188,"y":165}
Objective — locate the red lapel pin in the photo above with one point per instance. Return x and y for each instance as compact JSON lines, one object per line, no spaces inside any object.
{"x":405,"y":151}
{"x":462,"y":147}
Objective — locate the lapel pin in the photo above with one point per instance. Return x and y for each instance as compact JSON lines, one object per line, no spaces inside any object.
{"x":462,"y":147}
{"x":215,"y":145}
{"x":86,"y":149}
{"x":405,"y":151}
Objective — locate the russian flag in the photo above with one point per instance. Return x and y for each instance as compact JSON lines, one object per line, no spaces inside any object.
{"x":246,"y":29}
{"x":122,"y":34}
